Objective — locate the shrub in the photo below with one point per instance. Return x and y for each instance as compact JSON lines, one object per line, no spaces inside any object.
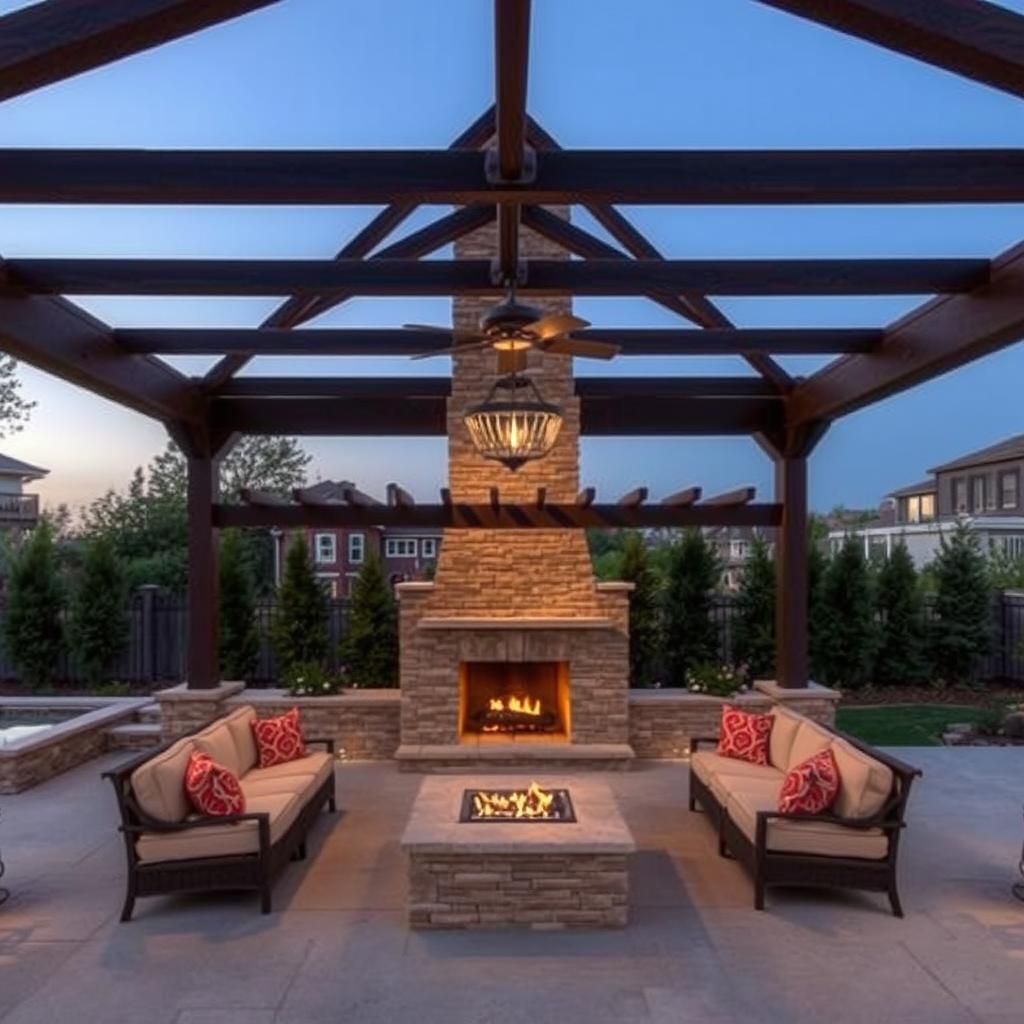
{"x":300,"y":625}
{"x":849,"y":639}
{"x":754,"y":631}
{"x":644,"y":624}
{"x":239,"y":637}
{"x":716,"y":680}
{"x":98,"y":627}
{"x":32,"y":627}
{"x":370,"y":645}
{"x":901,"y":621}
{"x":309,"y":679}
{"x":961,"y":634}
{"x":691,"y":636}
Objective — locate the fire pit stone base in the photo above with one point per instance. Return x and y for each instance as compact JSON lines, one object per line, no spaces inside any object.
{"x":536,"y":875}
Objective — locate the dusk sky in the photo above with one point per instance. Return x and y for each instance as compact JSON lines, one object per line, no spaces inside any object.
{"x":407,"y":74}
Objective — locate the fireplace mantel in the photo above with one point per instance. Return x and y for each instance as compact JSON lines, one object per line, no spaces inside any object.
{"x":516,"y":622}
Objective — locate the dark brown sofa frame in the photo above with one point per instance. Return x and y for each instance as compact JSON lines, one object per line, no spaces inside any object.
{"x":774,"y":867}
{"x":254,"y":871}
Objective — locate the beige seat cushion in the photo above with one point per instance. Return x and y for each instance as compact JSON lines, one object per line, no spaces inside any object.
{"x":314,"y":763}
{"x":159,"y":784}
{"x":240,"y":724}
{"x":780,"y":744}
{"x":226,"y":840}
{"x":217,"y":741}
{"x":820,"y":838}
{"x":810,"y":739}
{"x":303,"y":784}
{"x":718,"y":772}
{"x":864,"y":783}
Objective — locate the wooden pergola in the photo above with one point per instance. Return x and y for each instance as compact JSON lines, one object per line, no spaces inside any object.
{"x":505,"y":166}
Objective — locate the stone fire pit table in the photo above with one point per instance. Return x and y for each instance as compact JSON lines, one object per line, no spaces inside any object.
{"x":526,"y":874}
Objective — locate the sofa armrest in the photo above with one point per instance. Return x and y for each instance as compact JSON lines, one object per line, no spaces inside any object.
{"x":328,"y":742}
{"x":696,"y":741}
{"x":262,"y":819}
{"x":832,"y":819}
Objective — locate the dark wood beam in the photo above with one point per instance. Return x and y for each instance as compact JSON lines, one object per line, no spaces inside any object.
{"x":738,"y":496}
{"x":935,"y":338}
{"x":50,"y":41}
{"x":62,"y":339}
{"x":298,"y":309}
{"x":587,"y":177}
{"x":981,"y":41}
{"x":640,"y":388}
{"x":427,"y":417}
{"x":398,"y":342}
{"x":496,"y":516}
{"x":472,"y":277}
{"x":687,"y":496}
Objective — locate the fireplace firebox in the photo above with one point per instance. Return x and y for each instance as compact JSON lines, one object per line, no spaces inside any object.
{"x":503,"y":699}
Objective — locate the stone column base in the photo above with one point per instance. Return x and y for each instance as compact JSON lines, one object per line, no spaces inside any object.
{"x":813,"y":701}
{"x":183,"y":710}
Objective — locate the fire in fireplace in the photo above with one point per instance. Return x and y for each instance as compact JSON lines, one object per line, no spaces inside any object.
{"x":530,"y":804}
{"x":515,"y":697}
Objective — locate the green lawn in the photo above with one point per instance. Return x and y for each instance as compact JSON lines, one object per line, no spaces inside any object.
{"x":905,"y":725}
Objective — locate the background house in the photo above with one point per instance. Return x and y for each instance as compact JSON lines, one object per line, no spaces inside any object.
{"x":983,"y":488}
{"x":733,"y":545}
{"x":18,"y":510}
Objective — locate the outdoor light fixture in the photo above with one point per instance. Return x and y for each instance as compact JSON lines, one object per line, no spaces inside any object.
{"x":513,"y":424}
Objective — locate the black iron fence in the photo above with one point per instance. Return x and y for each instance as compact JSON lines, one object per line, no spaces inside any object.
{"x":157,"y":643}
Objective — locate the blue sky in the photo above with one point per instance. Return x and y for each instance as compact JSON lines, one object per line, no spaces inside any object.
{"x":400,"y":73}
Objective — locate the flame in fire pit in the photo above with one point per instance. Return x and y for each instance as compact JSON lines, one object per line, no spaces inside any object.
{"x":523,"y":706}
{"x":524,"y":803}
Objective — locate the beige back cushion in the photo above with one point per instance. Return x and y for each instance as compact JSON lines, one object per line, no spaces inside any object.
{"x":810,"y":739}
{"x":159,"y":784}
{"x":218,"y":741}
{"x":864,"y":783}
{"x":240,"y":724}
{"x":780,"y":743}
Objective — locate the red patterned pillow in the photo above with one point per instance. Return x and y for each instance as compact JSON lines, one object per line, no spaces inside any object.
{"x":811,"y":787}
{"x":744,"y":735}
{"x":212,"y":788}
{"x":279,"y":740}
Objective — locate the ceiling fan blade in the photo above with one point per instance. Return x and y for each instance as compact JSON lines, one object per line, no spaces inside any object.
{"x":451,"y":350}
{"x":578,"y":347}
{"x":557,"y":323}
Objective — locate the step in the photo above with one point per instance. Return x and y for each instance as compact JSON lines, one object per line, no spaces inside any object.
{"x":149,"y":713}
{"x":134,"y":736}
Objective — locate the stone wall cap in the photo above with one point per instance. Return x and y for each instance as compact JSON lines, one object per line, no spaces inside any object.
{"x":812,"y":691}
{"x":413,"y":587}
{"x":515,"y":622}
{"x":103,"y":714}
{"x":615,"y":585}
{"x":212,"y":693}
{"x":275,"y":695}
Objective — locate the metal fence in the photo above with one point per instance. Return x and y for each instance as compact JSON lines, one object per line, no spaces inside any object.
{"x":157,"y":639}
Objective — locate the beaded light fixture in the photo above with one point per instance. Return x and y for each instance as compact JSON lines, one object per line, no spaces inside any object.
{"x":514,"y":424}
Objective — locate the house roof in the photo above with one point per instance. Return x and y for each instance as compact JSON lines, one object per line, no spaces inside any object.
{"x":1003,"y":451}
{"x":15,"y":467}
{"x":334,"y":490}
{"x":924,"y":487}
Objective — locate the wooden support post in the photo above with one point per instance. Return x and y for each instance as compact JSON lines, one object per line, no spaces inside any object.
{"x":790,"y":452}
{"x":203,"y":658}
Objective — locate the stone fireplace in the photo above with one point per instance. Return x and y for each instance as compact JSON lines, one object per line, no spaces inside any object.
{"x":513,"y":613}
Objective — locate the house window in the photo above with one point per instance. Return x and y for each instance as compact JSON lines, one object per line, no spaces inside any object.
{"x":959,"y":494}
{"x":325,"y":548}
{"x":356,"y":548}
{"x":400,"y":547}
{"x":919,"y":507}
{"x":927,"y":507}
{"x":1014,"y":546}
{"x":977,"y":494}
{"x":1009,"y":484}
{"x":428,"y":547}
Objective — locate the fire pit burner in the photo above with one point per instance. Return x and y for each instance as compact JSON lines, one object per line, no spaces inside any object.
{"x":530,"y":804}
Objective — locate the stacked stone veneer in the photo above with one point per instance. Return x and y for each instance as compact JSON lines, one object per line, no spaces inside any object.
{"x":541,"y":891}
{"x":541,"y":575}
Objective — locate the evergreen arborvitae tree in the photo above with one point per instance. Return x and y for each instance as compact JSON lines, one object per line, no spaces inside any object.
{"x":901,"y":620}
{"x":817,"y":625}
{"x":849,"y":638}
{"x":962,"y":630}
{"x":98,"y":627}
{"x":691,"y":636}
{"x":644,"y":624}
{"x":32,"y":627}
{"x":754,"y":631}
{"x":300,"y":623}
{"x":370,"y":645}
{"x":239,"y":637}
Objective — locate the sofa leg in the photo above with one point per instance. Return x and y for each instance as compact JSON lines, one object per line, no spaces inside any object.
{"x":332,"y":804}
{"x":302,"y":850}
{"x":128,"y":908}
{"x":691,"y":803}
{"x":759,"y":895}
{"x":894,"y":901}
{"x":266,"y":902}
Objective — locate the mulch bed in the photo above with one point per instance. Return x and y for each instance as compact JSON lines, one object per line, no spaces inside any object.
{"x":970,"y":696}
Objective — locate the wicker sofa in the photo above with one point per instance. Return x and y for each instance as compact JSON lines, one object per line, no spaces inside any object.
{"x":170,"y":849}
{"x":854,"y":845}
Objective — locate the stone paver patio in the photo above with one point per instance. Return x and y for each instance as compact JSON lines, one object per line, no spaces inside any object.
{"x":337,"y":947}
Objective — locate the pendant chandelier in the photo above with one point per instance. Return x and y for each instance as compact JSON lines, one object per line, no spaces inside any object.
{"x":514,"y":424}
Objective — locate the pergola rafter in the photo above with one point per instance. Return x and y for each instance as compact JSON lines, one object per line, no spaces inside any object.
{"x":506,"y":166}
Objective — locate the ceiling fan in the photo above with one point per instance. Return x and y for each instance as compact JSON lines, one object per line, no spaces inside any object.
{"x":512,"y":328}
